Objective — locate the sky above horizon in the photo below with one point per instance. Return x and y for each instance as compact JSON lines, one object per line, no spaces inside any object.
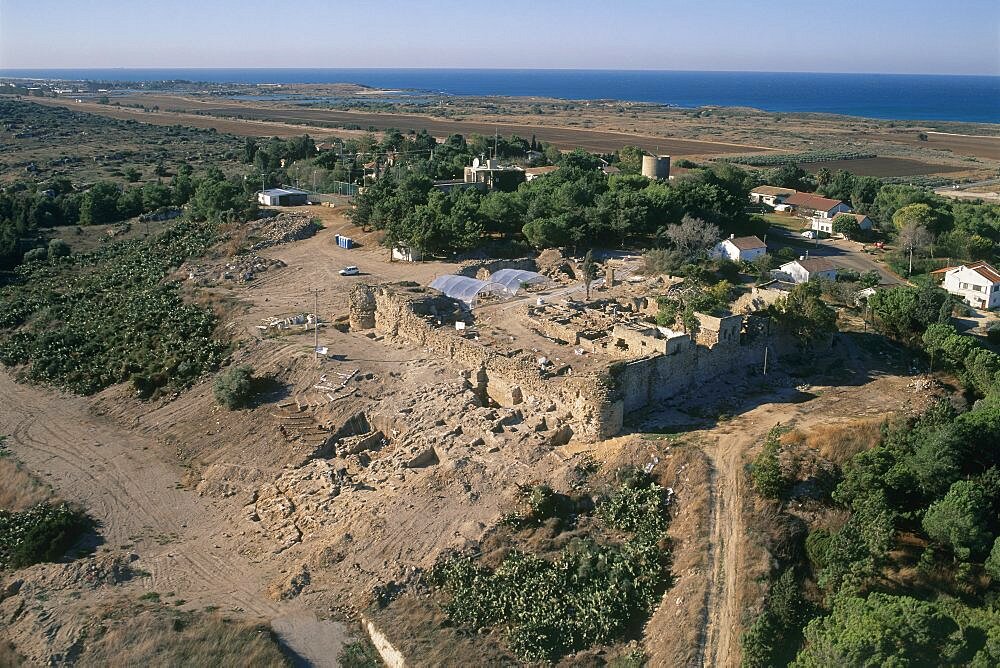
{"x":891,"y":36}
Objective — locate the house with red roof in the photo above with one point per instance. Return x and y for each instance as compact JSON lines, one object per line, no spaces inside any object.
{"x":823,"y":207}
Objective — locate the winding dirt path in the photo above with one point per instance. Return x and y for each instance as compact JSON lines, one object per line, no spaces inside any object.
{"x":183,"y":541}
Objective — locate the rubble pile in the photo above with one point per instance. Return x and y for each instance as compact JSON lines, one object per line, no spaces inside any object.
{"x":239,"y":269}
{"x":280,"y":229}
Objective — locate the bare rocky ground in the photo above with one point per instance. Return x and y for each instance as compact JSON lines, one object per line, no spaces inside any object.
{"x":303,"y":510}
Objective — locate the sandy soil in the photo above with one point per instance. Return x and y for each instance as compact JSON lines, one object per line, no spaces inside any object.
{"x":126,"y":482}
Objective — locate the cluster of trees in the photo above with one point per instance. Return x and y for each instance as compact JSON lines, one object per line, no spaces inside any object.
{"x":577,"y":205}
{"x":24,"y":213}
{"x":934,"y":478}
{"x":296,"y":159}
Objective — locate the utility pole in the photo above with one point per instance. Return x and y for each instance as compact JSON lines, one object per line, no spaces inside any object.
{"x":316,"y":325}
{"x":765,"y":360}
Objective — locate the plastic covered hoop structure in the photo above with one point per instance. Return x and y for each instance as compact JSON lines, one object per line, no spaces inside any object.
{"x":466,"y":289}
{"x":514,"y":279}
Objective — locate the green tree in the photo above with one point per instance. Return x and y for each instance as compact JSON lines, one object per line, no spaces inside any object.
{"x":881,"y":630}
{"x":921,"y":215}
{"x":847,"y":225}
{"x":99,"y":205}
{"x":993,"y":562}
{"x":213,"y":195}
{"x":765,"y":471}
{"x":630,"y":159}
{"x":588,"y":272}
{"x":804,"y":314}
{"x":959,"y":520}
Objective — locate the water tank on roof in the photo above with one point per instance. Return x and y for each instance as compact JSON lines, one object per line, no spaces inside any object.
{"x":656,"y":167}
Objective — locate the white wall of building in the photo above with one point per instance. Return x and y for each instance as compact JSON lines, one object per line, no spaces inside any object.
{"x":976,"y":290}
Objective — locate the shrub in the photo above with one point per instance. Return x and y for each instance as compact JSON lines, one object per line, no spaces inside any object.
{"x":993,"y":332}
{"x":588,"y":595}
{"x":109,"y":315}
{"x":234,"y":387}
{"x":41,"y":533}
{"x":993,"y":562}
{"x":869,"y":279}
{"x":58,"y":248}
{"x":35,"y":254}
{"x":662,"y":261}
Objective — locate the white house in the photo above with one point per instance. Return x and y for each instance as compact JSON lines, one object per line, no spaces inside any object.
{"x":822,"y":207}
{"x":809,"y":269}
{"x":821,"y":224}
{"x":739,"y":249}
{"x":978,"y":284}
{"x":770,"y":195}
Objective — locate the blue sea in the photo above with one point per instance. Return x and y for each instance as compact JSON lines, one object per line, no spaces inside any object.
{"x":886,"y":96}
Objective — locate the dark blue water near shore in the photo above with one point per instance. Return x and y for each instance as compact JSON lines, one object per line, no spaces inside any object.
{"x":891,"y":96}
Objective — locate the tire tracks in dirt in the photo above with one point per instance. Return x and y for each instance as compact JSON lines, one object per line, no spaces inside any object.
{"x":119,"y":477}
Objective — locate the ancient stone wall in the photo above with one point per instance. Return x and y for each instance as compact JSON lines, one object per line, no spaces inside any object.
{"x":584,"y":401}
{"x":593,"y":403}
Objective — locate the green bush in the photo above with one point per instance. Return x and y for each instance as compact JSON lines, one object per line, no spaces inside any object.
{"x":588,"y":595}
{"x":35,"y":254}
{"x":41,"y":533}
{"x":234,"y":387}
{"x":58,"y":248}
{"x":766,"y":470}
{"x":101,"y":318}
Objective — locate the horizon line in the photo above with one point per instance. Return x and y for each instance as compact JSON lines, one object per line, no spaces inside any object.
{"x":497,"y":69}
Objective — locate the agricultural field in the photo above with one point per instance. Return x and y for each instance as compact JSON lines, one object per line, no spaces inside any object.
{"x":882,"y":167}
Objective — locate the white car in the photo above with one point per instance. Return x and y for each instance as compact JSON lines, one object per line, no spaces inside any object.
{"x":350,"y":271}
{"x":810,"y":234}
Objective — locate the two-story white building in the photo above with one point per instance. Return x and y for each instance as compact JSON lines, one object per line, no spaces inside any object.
{"x":978,"y":284}
{"x":808,"y":269}
{"x":739,"y":249}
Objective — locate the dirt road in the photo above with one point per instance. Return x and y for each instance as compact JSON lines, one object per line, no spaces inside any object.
{"x":736,"y":561}
{"x":126,"y":484}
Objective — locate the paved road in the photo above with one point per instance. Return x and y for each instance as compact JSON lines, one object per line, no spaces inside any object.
{"x":843,"y":253}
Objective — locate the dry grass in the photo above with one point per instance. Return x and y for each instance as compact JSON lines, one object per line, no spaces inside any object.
{"x":838,"y":441}
{"x":673,"y":634}
{"x":9,"y":658}
{"x":19,"y":490}
{"x":155,"y":636}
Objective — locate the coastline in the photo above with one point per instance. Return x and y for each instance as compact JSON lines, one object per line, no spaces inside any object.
{"x":899,"y":97}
